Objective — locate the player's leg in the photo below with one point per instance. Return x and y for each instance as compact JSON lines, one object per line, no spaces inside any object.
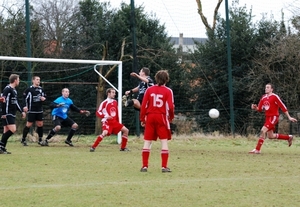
{"x":286,"y":137}
{"x":39,"y":123}
{"x":260,"y":141}
{"x":125,"y":133}
{"x":57,"y":126}
{"x":99,"y":138}
{"x":30,"y":120}
{"x":164,"y":155}
{"x":9,"y":128}
{"x":146,"y":155}
{"x":74,"y":127}
{"x":149,"y":136}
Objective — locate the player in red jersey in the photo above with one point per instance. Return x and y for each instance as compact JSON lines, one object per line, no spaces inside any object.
{"x":157,"y":111}
{"x":270,"y":104}
{"x":108,"y":112}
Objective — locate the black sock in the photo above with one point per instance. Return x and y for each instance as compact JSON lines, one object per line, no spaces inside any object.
{"x":40,"y":132}
{"x":25,"y":132}
{"x":51,"y":134}
{"x":5,"y":137}
{"x":71,"y":133}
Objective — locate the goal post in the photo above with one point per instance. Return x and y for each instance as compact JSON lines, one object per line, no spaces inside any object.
{"x":79,"y":61}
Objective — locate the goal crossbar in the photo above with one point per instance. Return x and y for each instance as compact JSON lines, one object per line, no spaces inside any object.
{"x":79,"y":61}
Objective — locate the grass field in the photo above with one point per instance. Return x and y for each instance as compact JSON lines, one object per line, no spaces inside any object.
{"x":206,"y":172}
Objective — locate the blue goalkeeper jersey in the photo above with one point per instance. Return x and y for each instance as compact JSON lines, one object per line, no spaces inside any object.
{"x":62,"y":111}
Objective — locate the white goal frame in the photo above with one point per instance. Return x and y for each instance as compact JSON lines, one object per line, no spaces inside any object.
{"x":79,"y":61}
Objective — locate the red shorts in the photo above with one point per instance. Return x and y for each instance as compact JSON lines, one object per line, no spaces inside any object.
{"x":112,"y":127}
{"x":157,"y":126}
{"x":270,"y":122}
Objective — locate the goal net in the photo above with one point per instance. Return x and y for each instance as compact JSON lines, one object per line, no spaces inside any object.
{"x":95,"y":63}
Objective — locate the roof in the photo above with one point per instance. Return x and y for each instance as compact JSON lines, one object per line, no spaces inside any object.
{"x":187,"y":40}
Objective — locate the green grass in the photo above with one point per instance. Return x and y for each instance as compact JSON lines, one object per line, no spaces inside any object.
{"x":206,"y":172}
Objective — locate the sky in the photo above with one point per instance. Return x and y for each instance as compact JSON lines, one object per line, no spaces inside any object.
{"x":181,"y":16}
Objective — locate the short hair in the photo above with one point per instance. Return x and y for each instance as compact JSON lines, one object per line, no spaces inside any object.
{"x":109,"y":90}
{"x":162,"y":77}
{"x":272,"y":86}
{"x":13,"y":77}
{"x":35,"y":76}
{"x":64,"y":89}
{"x":146,"y":71}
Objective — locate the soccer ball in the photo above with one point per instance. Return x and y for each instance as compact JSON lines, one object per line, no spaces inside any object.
{"x":214,"y":113}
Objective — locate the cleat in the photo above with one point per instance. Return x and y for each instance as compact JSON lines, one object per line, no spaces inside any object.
{"x":254,"y":151}
{"x":124,"y":100}
{"x":40,"y":142}
{"x":92,"y":149}
{"x":165,"y":169}
{"x":124,"y":150}
{"x":144,"y":169}
{"x":24,"y":143}
{"x":69,"y":143}
{"x":290,"y":141}
{"x":4,"y":151}
{"x":44,"y":143}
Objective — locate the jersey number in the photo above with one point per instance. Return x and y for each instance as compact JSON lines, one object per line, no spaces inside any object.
{"x":157,"y":100}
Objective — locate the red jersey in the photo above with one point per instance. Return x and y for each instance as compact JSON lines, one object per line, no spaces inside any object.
{"x":157,"y":100}
{"x":271,"y":104}
{"x":109,"y":107}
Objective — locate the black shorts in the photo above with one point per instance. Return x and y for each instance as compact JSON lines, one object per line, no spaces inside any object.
{"x":58,"y":121}
{"x":32,"y":117}
{"x":9,"y":120}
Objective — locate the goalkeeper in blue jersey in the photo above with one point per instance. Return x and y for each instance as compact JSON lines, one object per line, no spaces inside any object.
{"x":60,"y":118}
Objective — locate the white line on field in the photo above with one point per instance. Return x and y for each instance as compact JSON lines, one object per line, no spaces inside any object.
{"x":171,"y":181}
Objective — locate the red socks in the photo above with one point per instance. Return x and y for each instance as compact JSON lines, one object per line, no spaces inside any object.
{"x":124,"y":142}
{"x":97,"y":141}
{"x":283,"y":136}
{"x":259,"y":143}
{"x":164,"y":158}
{"x":145,"y":157}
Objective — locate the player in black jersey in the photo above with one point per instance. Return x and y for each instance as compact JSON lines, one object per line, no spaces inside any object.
{"x":9,"y":109}
{"x":33,"y":98}
{"x":146,"y":81}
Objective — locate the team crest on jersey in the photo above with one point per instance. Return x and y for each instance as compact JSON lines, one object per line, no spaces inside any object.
{"x":266,"y":105}
{"x":113,"y":112}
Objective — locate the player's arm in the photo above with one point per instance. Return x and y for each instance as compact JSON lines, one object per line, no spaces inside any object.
{"x":101,"y":112}
{"x":170,"y":102}
{"x":81,"y":111}
{"x":143,"y":108}
{"x":5,"y":103}
{"x":134,"y":90}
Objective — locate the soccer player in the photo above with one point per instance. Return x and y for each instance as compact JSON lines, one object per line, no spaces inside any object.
{"x":270,"y":104}
{"x":157,"y":111}
{"x":60,"y":118}
{"x":146,"y":81}
{"x":33,"y":98}
{"x":109,"y":113}
{"x":9,"y":107}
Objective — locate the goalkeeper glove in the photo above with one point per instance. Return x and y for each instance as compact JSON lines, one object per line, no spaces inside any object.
{"x":85,"y":112}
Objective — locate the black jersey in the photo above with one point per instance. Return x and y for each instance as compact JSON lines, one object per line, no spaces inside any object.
{"x":143,"y":86}
{"x":11,"y":105}
{"x":32,"y":99}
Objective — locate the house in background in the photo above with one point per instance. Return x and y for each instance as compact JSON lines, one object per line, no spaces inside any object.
{"x":186,"y":44}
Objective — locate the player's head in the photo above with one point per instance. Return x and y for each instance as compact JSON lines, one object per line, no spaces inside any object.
{"x":14,"y":79}
{"x":65,"y":92}
{"x":145,"y":70}
{"x":269,"y":88}
{"x":162,"y":77}
{"x":111,"y":93}
{"x":36,"y":80}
